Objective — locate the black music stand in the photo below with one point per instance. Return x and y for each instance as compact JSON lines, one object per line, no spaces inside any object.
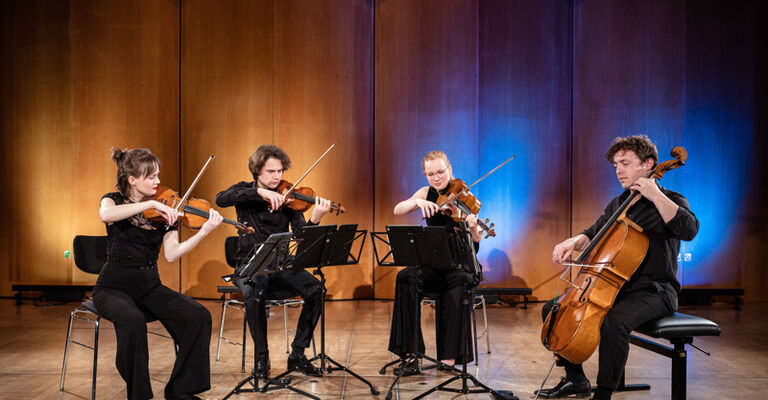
{"x":417,"y":246}
{"x":323,"y":246}
{"x":269,"y":257}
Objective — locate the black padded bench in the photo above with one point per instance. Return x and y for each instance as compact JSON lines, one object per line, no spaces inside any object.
{"x":679,"y":329}
{"x":62,"y":293}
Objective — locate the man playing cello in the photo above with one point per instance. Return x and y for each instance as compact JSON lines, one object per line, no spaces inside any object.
{"x":651,"y":292}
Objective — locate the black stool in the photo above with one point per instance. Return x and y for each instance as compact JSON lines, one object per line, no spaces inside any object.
{"x":679,"y":329}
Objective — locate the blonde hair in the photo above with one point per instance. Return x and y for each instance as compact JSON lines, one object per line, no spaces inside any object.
{"x":434,"y":155}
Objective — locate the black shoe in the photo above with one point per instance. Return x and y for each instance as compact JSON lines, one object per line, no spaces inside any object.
{"x":301,"y":364}
{"x":566,"y":388}
{"x":408,"y":368}
{"x":262,"y":367}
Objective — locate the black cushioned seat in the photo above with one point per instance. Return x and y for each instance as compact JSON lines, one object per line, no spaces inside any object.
{"x":679,"y":329}
{"x":680,"y":325}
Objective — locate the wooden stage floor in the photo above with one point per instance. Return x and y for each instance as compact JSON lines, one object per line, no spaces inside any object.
{"x":32,"y":347}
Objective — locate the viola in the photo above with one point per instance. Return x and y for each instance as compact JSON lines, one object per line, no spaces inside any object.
{"x":193,"y":214}
{"x":301,"y":199}
{"x":459,"y":203}
{"x":572,"y":327}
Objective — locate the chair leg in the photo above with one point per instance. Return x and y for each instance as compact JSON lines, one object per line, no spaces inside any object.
{"x":474,"y":332}
{"x":487,"y":332}
{"x":66,"y":351}
{"x":245,"y":327}
{"x":285,"y":326}
{"x":95,"y":357}
{"x":221,"y":327}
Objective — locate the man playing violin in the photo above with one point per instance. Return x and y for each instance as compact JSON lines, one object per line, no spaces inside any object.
{"x":259,"y":205}
{"x":448,"y":283}
{"x":651,"y":292}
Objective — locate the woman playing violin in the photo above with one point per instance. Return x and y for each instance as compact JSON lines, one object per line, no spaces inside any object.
{"x":652,"y":290}
{"x":259,"y":205}
{"x":129,"y":287}
{"x":449,"y":283}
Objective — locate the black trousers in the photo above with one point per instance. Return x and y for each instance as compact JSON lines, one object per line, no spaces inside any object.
{"x":449,"y":285}
{"x":285,"y":284}
{"x":188,"y":322}
{"x":630,"y":310}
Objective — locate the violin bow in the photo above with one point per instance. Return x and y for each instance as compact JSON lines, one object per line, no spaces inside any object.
{"x":192,"y":186}
{"x":492,"y":171}
{"x":285,"y":196}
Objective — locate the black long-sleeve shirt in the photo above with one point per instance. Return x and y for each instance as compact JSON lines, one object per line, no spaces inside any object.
{"x":252,"y":210}
{"x":658,"y":271}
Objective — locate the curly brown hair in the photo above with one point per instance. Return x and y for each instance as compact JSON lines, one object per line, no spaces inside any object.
{"x":639,"y":144}
{"x":262,"y":154}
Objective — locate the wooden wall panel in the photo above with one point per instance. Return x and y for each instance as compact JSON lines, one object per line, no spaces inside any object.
{"x":124,"y":58}
{"x":36,"y":129}
{"x":425,"y":99}
{"x":725,"y":137}
{"x":524,"y":110}
{"x":227,"y":110}
{"x":324,"y":95}
{"x":83,"y":77}
{"x":628,"y":78}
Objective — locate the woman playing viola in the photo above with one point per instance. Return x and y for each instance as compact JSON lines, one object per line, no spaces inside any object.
{"x":129,"y":288}
{"x":449,"y":283}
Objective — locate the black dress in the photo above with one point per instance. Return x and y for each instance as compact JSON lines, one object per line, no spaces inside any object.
{"x":449,"y":287}
{"x":128,"y":291}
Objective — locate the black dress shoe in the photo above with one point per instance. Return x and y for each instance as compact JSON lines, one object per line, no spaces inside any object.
{"x":303,"y":365}
{"x":566,"y":388}
{"x":262,"y":367}
{"x":408,"y":368}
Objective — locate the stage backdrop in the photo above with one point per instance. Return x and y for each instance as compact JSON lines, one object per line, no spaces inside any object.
{"x":552,"y":82}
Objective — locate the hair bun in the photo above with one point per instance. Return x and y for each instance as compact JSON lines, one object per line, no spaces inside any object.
{"x":117,"y":154}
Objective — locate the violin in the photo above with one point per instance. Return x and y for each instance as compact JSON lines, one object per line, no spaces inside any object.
{"x":301,"y":199}
{"x":194,"y":213}
{"x":572,"y":327}
{"x":458,"y":203}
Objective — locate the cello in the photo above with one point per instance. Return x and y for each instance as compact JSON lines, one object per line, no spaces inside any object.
{"x":572,"y":327}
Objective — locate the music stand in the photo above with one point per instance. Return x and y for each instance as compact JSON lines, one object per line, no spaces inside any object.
{"x":417,"y":246}
{"x":323,"y":246}
{"x":277,"y":248}
{"x":264,"y":253}
{"x":413,"y":246}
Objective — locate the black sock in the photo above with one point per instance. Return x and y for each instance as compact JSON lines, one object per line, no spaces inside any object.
{"x":574,"y":372}
{"x":296,"y":352}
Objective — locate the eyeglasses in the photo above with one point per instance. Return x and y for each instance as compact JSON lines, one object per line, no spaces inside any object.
{"x":436,"y":173}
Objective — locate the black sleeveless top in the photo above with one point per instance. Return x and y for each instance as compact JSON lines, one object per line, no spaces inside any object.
{"x":133,"y":244}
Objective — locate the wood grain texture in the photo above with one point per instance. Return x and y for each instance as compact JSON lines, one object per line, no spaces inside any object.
{"x":426,"y":99}
{"x":323,"y":96}
{"x":227,"y":110}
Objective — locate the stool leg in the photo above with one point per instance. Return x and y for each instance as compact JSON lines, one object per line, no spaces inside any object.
{"x":66,"y":351}
{"x":679,"y":372}
{"x":95,"y":357}
{"x":221,"y":327}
